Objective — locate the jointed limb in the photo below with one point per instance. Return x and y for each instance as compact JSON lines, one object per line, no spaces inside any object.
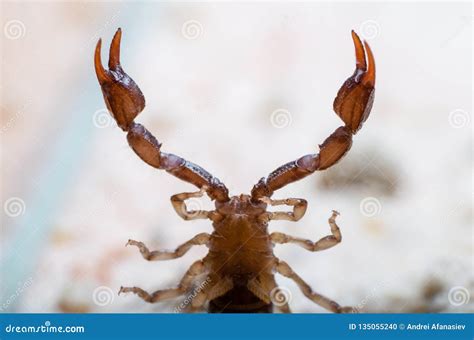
{"x":299,"y":208}
{"x":215,"y":287}
{"x":181,"y":209}
{"x":265,"y":288}
{"x":125,"y":101}
{"x":196,"y":269}
{"x":284,"y":269}
{"x":352,"y":104}
{"x":324,"y":243}
{"x":158,"y":255}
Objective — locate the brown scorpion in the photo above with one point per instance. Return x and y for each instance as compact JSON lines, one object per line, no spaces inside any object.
{"x":240,"y":266}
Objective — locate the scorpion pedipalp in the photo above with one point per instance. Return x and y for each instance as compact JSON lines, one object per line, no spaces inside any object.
{"x":123,"y":97}
{"x":352,"y":104}
{"x":356,"y":96}
{"x":125,"y":101}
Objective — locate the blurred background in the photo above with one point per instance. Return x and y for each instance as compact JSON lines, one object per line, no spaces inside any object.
{"x":239,"y":89}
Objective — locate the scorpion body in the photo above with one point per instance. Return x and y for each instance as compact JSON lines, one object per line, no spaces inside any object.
{"x":240,"y":266}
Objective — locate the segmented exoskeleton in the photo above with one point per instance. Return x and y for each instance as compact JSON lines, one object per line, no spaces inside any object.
{"x":240,"y":265}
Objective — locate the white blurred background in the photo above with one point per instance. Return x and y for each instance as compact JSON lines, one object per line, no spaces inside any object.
{"x":239,"y":89}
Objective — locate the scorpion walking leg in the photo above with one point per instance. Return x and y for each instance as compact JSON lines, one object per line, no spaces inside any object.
{"x":284,"y":269}
{"x":181,"y":209}
{"x":324,"y":243}
{"x":278,"y":297}
{"x":265,"y":287}
{"x":196,"y":269}
{"x":213,"y":287}
{"x":299,"y":208}
{"x":157,"y":255}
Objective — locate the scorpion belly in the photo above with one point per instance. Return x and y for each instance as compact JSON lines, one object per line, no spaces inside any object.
{"x":240,"y":250}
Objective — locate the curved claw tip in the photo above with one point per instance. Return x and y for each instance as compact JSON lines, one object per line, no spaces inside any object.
{"x":114,"y":54}
{"x":361,"y":62}
{"x":99,"y":69}
{"x":369,"y":77}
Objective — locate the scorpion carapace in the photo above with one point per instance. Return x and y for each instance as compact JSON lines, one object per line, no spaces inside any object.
{"x":239,"y":269}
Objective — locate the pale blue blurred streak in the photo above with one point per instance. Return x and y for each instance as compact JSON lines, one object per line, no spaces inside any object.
{"x":60,"y":170}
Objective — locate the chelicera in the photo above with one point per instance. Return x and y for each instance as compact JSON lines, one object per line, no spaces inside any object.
{"x":240,"y":266}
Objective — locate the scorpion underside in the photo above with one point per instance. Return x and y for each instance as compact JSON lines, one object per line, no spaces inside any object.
{"x":239,"y":268}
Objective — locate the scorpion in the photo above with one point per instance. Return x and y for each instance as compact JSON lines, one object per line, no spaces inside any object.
{"x":240,"y":265}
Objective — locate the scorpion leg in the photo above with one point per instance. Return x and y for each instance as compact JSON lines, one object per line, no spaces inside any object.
{"x":210,"y":292}
{"x":179,"y":205}
{"x":284,"y":269}
{"x":196,"y":269}
{"x":125,"y":101}
{"x":158,"y":255}
{"x":299,"y":208}
{"x":324,"y":243}
{"x":352,"y":104}
{"x":265,"y":288}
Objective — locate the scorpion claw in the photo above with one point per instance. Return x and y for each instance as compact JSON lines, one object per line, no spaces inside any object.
{"x":102,"y":74}
{"x":114,"y":54}
{"x":355,"y":98}
{"x":361,"y":63}
{"x":369,"y":78}
{"x":122,"y":95}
